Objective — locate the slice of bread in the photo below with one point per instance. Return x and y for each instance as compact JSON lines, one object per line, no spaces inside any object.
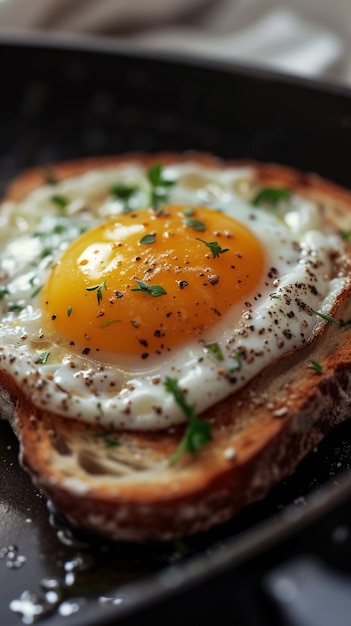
{"x":131,"y":491}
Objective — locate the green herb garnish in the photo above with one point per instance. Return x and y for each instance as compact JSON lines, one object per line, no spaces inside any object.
{"x":197,"y":433}
{"x":238,"y":358}
{"x":3,"y":292}
{"x":215,"y":248}
{"x":61,"y":201}
{"x":160,"y":186}
{"x":189,"y":211}
{"x":43,"y":357}
{"x":327,"y":318}
{"x":345,"y":234}
{"x":107,"y":323}
{"x":148,"y":239}
{"x":333,"y":320}
{"x":15,"y":308}
{"x":215,"y":349}
{"x":194,"y":224}
{"x":106,"y":434}
{"x":58,"y":229}
{"x":69,"y":311}
{"x":122,"y":192}
{"x":152,"y":290}
{"x":98,"y":289}
{"x":316,"y":367}
{"x":271,"y":196}
{"x":45,"y":252}
{"x":36,"y":291}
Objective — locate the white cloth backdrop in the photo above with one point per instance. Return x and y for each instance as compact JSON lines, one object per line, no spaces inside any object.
{"x":309,"y":37}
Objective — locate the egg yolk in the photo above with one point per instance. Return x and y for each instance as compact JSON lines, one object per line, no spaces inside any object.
{"x":145,"y":283}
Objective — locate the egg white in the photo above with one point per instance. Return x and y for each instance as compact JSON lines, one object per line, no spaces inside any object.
{"x":276,"y":318}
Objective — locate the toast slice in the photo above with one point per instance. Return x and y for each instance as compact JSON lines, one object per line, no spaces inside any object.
{"x":131,"y":491}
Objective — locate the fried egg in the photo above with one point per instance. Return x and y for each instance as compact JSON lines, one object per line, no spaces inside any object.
{"x":116,"y":279}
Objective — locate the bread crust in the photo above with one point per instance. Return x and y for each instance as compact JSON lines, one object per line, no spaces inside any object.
{"x":260,"y":433}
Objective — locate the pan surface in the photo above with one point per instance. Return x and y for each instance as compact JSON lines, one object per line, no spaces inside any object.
{"x":61,"y":102}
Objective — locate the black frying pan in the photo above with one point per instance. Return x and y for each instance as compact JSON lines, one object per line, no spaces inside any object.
{"x":282,"y":561}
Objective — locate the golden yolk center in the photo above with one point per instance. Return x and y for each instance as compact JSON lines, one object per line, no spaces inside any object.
{"x":143,"y":284}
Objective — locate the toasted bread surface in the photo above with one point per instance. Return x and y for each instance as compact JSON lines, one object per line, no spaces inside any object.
{"x":131,"y":491}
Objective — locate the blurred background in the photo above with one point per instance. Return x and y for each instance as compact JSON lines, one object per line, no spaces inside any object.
{"x":304,"y":37}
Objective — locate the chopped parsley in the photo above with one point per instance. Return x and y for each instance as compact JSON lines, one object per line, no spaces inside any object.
{"x":43,"y":357}
{"x":271,"y":196}
{"x":215,"y":248}
{"x":189,"y":211}
{"x":106,"y":434}
{"x":15,"y":308}
{"x":69,"y":311}
{"x":345,"y":234}
{"x":197,"y":433}
{"x":124,"y":193}
{"x":238,"y":358}
{"x":332,"y":320}
{"x":98,"y":289}
{"x":214,"y":347}
{"x":194,"y":224}
{"x":107,"y":323}
{"x":36,"y":291}
{"x":148,"y":239}
{"x":316,"y":367}
{"x":121,"y":191}
{"x":45,"y":252}
{"x":61,"y":201}
{"x":160,"y":186}
{"x":327,"y":318}
{"x":152,"y":290}
{"x":58,"y":229}
{"x":3,"y":292}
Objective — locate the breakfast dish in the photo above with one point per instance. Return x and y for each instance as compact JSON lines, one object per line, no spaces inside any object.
{"x":174,"y":334}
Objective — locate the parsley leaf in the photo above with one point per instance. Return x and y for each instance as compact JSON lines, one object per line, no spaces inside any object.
{"x":15,"y":308}
{"x":36,"y":291}
{"x":61,"y":201}
{"x":197,"y":433}
{"x":189,"y":211}
{"x":121,"y":191}
{"x":160,"y":186}
{"x":152,"y":290}
{"x":238,"y":365}
{"x":327,"y":318}
{"x":214,"y":347}
{"x":317,"y":367}
{"x":215,"y":248}
{"x":271,"y":196}
{"x":124,"y":193}
{"x":107,"y":323}
{"x":106,"y":435}
{"x":58,"y":229}
{"x":98,"y":289}
{"x":43,"y":357}
{"x":147,"y":239}
{"x":345,"y":234}
{"x":3,"y":292}
{"x":194,"y":224}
